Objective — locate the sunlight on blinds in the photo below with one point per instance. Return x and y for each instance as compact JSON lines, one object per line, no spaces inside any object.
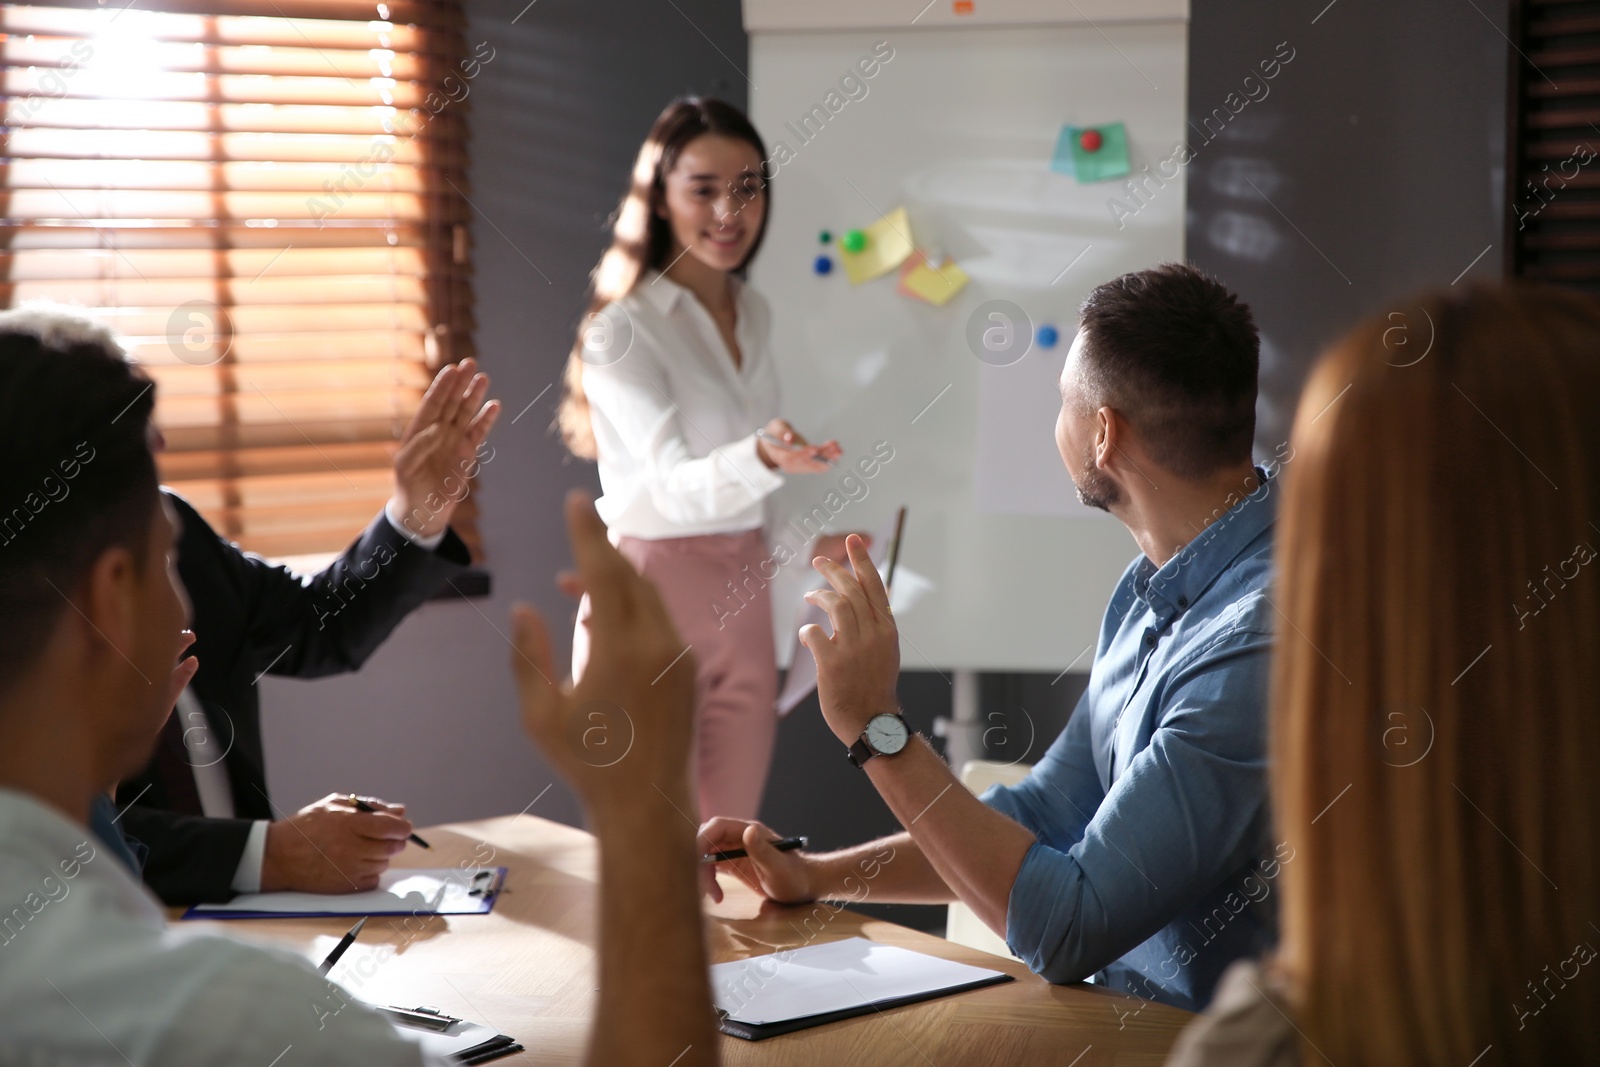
{"x":266,"y":199}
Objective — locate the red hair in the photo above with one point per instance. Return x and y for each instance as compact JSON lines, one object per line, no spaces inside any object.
{"x":1436,"y":690}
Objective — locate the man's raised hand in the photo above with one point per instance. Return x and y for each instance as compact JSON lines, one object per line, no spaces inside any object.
{"x":859,"y":664}
{"x":438,"y":450}
{"x":623,"y":730}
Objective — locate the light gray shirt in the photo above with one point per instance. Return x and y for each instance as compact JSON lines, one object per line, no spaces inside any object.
{"x":91,"y":973}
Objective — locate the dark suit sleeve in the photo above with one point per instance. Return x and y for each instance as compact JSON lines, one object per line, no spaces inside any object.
{"x":191,"y":859}
{"x":252,"y":617}
{"x":332,"y":622}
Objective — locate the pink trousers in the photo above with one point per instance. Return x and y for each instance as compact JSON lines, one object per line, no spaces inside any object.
{"x":730,"y":633}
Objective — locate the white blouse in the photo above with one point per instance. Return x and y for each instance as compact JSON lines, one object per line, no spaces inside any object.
{"x":674,"y":419}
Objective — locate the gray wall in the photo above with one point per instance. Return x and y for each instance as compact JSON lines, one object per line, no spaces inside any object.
{"x":557,"y":117}
{"x":1378,"y":145}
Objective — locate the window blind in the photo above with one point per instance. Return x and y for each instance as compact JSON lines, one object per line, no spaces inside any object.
{"x":265,"y":199}
{"x":1553,"y":143}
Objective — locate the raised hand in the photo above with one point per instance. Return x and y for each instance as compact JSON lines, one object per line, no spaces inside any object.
{"x":858,"y":665}
{"x":623,"y":730}
{"x":438,"y":449}
{"x":621,"y":736}
{"x":832,"y":546}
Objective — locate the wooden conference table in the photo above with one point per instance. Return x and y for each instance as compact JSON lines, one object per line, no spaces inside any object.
{"x":528,"y":969}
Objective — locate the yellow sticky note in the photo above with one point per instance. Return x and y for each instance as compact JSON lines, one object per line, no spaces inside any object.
{"x":888,"y":245}
{"x":936,"y":286}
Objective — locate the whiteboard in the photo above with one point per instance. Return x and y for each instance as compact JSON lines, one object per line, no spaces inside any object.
{"x":1009,"y":571}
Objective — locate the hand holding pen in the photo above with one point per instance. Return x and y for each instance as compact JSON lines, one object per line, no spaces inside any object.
{"x":771,"y":865}
{"x":362,"y":805}
{"x":783,"y":844}
{"x":333,"y":845}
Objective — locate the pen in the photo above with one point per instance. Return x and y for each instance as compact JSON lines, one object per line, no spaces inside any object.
{"x":894,"y":547}
{"x":494,"y":1053}
{"x":783,"y":844}
{"x":344,"y":943}
{"x":362,"y":805}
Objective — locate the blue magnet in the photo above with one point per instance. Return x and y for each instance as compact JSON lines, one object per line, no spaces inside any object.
{"x":823,"y":265}
{"x":1047,"y":336}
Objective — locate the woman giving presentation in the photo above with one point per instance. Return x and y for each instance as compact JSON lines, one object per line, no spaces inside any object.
{"x":671,"y":389}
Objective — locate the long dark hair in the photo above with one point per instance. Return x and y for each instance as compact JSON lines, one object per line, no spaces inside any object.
{"x":641,"y":238}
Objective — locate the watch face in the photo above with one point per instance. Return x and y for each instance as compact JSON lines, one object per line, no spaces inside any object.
{"x":887,"y":734}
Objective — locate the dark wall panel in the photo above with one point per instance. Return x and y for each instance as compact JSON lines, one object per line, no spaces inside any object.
{"x":1371,"y":166}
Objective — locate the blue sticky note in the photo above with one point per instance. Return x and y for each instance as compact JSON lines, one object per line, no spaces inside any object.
{"x":1061,"y":160}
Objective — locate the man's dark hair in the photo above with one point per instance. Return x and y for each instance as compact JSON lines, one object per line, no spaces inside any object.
{"x":1176,"y":353}
{"x":78,"y":476}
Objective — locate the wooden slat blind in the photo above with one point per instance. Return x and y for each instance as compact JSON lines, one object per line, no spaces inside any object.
{"x":1553,"y":143}
{"x":265,"y":199}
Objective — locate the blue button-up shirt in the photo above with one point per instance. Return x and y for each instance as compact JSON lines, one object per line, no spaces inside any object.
{"x":1151,"y":867}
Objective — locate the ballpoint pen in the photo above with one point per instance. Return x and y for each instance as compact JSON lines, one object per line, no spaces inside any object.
{"x":783,"y":844}
{"x":344,"y":943}
{"x":362,"y":805}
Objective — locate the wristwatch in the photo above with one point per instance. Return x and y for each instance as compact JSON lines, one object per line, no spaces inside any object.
{"x":884,"y":736}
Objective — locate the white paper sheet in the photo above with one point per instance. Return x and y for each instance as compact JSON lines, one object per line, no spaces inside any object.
{"x":438,"y":891}
{"x":831,"y":977}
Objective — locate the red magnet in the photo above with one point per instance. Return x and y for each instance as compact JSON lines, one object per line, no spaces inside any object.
{"x":1090,"y":140}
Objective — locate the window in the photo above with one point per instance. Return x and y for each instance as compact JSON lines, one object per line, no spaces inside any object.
{"x":265,"y":199}
{"x":1553,"y":149}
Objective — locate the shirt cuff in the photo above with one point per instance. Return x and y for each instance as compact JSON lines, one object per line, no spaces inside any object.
{"x":247,"y":879}
{"x":427,"y":544}
{"x":1000,"y":799}
{"x":1034,"y":891}
{"x":1028,"y":907}
{"x":1029,"y":911}
{"x":746,"y":459}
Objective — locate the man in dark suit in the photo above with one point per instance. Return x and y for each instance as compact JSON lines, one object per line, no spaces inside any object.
{"x":201,"y":805}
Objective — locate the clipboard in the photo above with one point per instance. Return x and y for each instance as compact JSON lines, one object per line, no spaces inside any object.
{"x":765,"y":996}
{"x":401,"y":891}
{"x":445,"y":1035}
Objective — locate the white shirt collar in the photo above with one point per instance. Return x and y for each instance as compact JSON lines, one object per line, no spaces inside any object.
{"x":663,"y":294}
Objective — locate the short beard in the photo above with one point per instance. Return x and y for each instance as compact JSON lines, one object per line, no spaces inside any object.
{"x":1095,"y":490}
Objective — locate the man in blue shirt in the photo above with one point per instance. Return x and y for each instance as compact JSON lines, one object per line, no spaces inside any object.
{"x":1137,"y":849}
